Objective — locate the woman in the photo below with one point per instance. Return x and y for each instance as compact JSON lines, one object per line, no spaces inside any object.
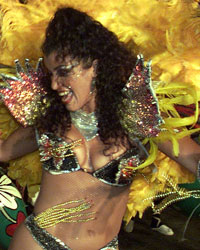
{"x":81,"y":140}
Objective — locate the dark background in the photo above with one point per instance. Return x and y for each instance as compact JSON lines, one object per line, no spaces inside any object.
{"x":143,"y":238}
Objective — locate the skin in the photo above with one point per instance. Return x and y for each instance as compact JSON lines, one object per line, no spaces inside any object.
{"x":189,"y":153}
{"x":76,"y":84}
{"x":90,"y":155}
{"x":67,"y":74}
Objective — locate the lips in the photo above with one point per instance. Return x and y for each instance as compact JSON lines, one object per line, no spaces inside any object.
{"x":66,"y":95}
{"x":67,"y":98}
{"x":63,"y":93}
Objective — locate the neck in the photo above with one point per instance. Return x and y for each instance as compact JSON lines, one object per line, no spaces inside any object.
{"x":86,"y":123}
{"x":91,"y":104}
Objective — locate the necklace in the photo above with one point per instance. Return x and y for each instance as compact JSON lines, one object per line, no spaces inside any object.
{"x":85,"y":123}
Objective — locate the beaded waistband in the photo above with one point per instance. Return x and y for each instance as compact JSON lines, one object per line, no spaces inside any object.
{"x":48,"y":241}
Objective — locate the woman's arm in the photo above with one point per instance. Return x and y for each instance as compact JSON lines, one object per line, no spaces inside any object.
{"x":189,"y":153}
{"x":19,"y":143}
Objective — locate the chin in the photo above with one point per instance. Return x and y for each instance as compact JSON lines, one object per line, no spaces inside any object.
{"x":71,"y":109}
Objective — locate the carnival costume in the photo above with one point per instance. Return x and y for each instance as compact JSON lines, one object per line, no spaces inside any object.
{"x":25,"y":100}
{"x":175,"y":85}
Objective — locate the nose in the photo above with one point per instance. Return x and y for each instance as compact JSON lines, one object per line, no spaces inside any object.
{"x":54,"y":82}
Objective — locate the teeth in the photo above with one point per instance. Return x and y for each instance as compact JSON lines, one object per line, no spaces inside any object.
{"x":64,"y":93}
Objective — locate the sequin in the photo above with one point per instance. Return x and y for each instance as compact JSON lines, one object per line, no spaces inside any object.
{"x":23,"y":95}
{"x":85,"y":123}
{"x":140,"y":112}
{"x":116,"y":172}
{"x":56,"y":150}
{"x":42,"y":237}
{"x":57,"y":157}
{"x":48,"y":241}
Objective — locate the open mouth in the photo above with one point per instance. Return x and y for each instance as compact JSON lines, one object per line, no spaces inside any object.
{"x":66,"y":95}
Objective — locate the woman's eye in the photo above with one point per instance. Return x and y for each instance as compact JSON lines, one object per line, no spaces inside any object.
{"x":63,"y":72}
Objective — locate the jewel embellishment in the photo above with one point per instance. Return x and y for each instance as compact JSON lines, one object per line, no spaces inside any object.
{"x":140,"y":111}
{"x":23,"y":95}
{"x":125,"y":168}
{"x":58,"y":150}
{"x":85,"y":123}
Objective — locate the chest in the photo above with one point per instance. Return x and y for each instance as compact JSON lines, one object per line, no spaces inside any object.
{"x":59,"y":156}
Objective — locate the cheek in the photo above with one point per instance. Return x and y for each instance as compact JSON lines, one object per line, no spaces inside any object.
{"x":65,"y":81}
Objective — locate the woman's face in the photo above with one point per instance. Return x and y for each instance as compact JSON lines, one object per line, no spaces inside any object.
{"x":72,"y":82}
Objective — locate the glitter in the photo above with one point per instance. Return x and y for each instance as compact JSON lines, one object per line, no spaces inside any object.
{"x":23,"y":95}
{"x":139,"y":111}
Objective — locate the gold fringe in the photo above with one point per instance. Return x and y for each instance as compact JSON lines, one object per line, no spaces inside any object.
{"x":58,"y":213}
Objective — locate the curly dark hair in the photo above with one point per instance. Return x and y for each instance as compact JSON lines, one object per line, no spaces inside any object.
{"x":73,"y":33}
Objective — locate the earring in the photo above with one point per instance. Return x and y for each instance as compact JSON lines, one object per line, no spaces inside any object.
{"x":93,"y":83}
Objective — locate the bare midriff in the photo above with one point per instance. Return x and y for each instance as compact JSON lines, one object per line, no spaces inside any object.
{"x":107,"y":202}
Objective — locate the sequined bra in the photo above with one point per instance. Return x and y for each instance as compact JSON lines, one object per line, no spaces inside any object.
{"x":57,"y":157}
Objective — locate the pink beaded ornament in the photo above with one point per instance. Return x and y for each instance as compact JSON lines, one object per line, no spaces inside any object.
{"x":23,"y":95}
{"x":140,"y":112}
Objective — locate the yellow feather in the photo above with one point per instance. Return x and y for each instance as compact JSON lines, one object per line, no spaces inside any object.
{"x":165,"y":31}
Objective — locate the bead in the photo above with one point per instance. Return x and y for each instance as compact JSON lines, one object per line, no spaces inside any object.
{"x":85,"y":123}
{"x":172,"y":195}
{"x":59,"y":213}
{"x":58,"y":150}
{"x":24,"y":96}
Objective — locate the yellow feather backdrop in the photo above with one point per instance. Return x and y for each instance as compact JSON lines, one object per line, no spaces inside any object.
{"x":166,"y":31}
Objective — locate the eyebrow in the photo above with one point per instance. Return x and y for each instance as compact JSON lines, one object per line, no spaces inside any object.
{"x":70,"y":66}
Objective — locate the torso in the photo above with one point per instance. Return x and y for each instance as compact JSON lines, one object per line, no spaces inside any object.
{"x":108,"y":202}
